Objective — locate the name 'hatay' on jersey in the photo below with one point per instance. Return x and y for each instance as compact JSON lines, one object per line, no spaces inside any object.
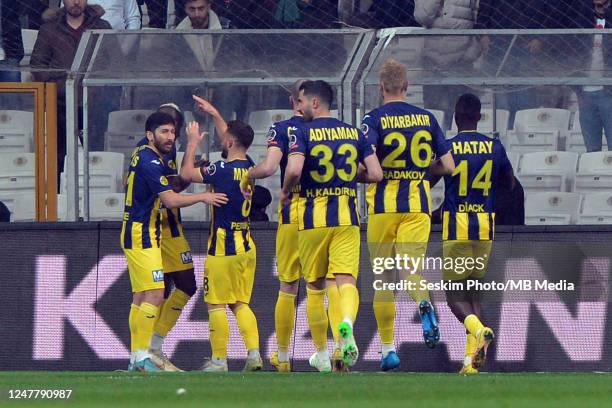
{"x":333,"y":150}
{"x":406,"y":137}
{"x":469,"y":193}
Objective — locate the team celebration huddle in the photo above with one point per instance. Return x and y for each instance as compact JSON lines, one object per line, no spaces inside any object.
{"x":399,"y":153}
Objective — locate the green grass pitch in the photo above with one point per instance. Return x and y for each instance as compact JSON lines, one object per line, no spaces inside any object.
{"x":266,"y":389}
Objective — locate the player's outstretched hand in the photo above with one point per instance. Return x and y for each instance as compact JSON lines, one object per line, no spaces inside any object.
{"x":193,"y":133}
{"x":216,"y":199}
{"x":205,"y":106}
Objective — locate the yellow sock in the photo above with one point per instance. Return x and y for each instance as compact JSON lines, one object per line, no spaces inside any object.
{"x":218,"y":325}
{"x":133,"y":327}
{"x":418,"y":294}
{"x":170,"y":312}
{"x":284,"y":319}
{"x":384,"y":311}
{"x":317,"y":318}
{"x":247,"y":324}
{"x":145,"y":320}
{"x":473,"y":324}
{"x":333,"y":310}
{"x":349,"y":301}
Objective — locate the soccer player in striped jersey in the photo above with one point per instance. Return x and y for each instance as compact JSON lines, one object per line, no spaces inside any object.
{"x":468,"y":220}
{"x":229,"y":271}
{"x":147,"y":188}
{"x":287,"y":257}
{"x":405,"y":138}
{"x":176,"y":254}
{"x":324,"y":158}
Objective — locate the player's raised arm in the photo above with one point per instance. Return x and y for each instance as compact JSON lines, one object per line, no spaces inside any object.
{"x":189,"y":172}
{"x":264,"y":169}
{"x":209,"y":108}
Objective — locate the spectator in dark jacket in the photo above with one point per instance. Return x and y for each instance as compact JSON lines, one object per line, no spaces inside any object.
{"x":11,"y":43}
{"x":594,"y":54}
{"x":55,"y":48}
{"x":526,"y":57}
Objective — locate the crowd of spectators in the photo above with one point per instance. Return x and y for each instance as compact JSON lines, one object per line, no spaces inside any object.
{"x":61,"y":28}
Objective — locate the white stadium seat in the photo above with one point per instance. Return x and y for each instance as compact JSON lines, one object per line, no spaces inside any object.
{"x":17,"y":172}
{"x":62,"y":206}
{"x":594,"y":172}
{"x":515,"y":159}
{"x":547,"y":171}
{"x":575,"y":141}
{"x":485,"y":125}
{"x":596,"y":209}
{"x":414,"y":96}
{"x":439,"y":115}
{"x":16,"y":131}
{"x":538,"y":129}
{"x":551,"y":208}
{"x":105,"y":172}
{"x":21,"y":205}
{"x":125,"y":129}
{"x":24,"y":207}
{"x":106,"y":206}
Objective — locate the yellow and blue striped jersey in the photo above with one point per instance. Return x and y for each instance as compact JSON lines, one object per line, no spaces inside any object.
{"x":171,"y":226}
{"x":146,"y":181}
{"x":229,"y":227}
{"x":328,"y":193}
{"x":278,"y":137}
{"x":469,"y":193}
{"x":405,"y":137}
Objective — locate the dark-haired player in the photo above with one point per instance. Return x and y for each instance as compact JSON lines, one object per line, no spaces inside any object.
{"x":176,"y":254}
{"x":324,"y":158}
{"x":147,"y":189}
{"x":468,"y":219}
{"x":230,"y":264}
{"x":405,"y":138}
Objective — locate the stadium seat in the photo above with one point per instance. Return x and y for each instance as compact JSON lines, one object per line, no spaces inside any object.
{"x":596,"y":208}
{"x":552,"y":208}
{"x":439,"y":115}
{"x":17,"y":172}
{"x":16,"y":131}
{"x":24,"y":207}
{"x":105,"y":172}
{"x":538,"y":129}
{"x":261,"y":121}
{"x":62,"y":206}
{"x":575,"y":141}
{"x":26,"y":200}
{"x":106,"y":206}
{"x":485,"y":125}
{"x":594,"y":172}
{"x":414,"y":96}
{"x":515,"y":160}
{"x":547,"y":171}
{"x":125,"y":129}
